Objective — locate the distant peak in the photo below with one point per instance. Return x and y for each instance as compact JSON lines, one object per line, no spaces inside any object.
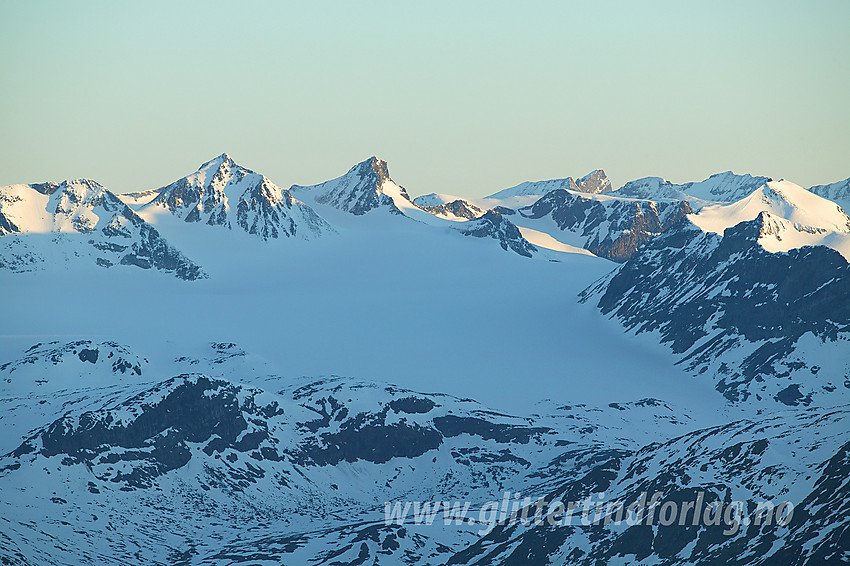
{"x":377,"y":166}
{"x":732,"y":175}
{"x":594,"y":182}
{"x":219,"y":161}
{"x":594,"y":173}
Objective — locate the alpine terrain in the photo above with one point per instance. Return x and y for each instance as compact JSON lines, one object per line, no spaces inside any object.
{"x":224,"y":371}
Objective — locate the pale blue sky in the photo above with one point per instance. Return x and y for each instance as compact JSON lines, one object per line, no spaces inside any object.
{"x":458,"y":97}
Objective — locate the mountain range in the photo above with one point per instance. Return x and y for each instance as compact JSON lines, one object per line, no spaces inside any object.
{"x":224,"y":371}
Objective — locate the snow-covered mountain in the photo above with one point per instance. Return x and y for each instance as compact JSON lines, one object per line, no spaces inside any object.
{"x":266,"y":408}
{"x":222,"y":193}
{"x":367,"y":186}
{"x":616,"y":224}
{"x":50,"y":224}
{"x":765,"y":326}
{"x":266,"y":457}
{"x":793,"y":217}
{"x":781,"y":199}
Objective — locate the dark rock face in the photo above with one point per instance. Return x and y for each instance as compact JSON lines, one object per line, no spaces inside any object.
{"x":504,"y":210}
{"x":150,"y":249}
{"x":7,"y":226}
{"x":738,"y":460}
{"x":410,"y":425}
{"x":379,"y":168}
{"x":412,"y":405}
{"x":87,"y":355}
{"x":369,"y":438}
{"x":459,"y":208}
{"x":494,"y":225}
{"x":451,"y":425}
{"x":612,"y":229}
{"x":707,"y":294}
{"x":266,"y":220}
{"x":338,"y":436}
{"x":118,"y":358}
{"x":153,"y":441}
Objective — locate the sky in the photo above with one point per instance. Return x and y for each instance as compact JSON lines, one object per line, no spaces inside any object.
{"x":462,"y":98}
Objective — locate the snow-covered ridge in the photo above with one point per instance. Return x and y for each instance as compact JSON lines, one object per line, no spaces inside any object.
{"x":782,"y":199}
{"x":795,"y":218}
{"x":83,"y":219}
{"x":594,"y":182}
{"x":838,"y":192}
{"x":720,"y":187}
{"x":459,"y":210}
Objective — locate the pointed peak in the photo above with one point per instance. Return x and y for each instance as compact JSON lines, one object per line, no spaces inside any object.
{"x":219,"y":161}
{"x":594,"y":182}
{"x":594,"y":173}
{"x":377,"y":166}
